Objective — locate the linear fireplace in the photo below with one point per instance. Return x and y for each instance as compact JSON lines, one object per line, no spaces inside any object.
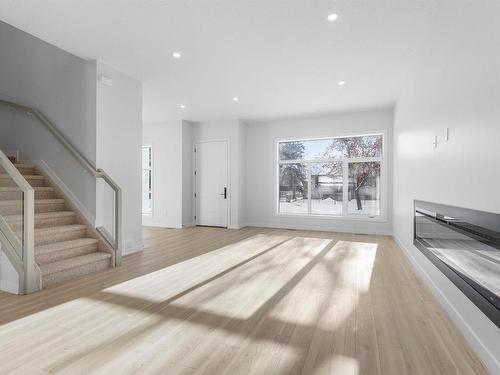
{"x":465,"y":245}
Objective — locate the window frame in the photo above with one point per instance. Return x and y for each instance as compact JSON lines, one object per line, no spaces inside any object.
{"x":150,"y":168}
{"x":382,"y":217}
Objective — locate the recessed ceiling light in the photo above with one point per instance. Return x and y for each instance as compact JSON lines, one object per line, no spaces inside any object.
{"x":177,"y":55}
{"x":235,"y":99}
{"x":182,"y":106}
{"x":341,"y":83}
{"x":332,"y":17}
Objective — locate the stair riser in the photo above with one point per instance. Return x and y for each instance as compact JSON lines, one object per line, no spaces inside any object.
{"x":65,"y":254}
{"x":44,"y":223}
{"x":57,"y":237}
{"x":53,"y":222}
{"x":17,"y":209}
{"x":44,"y":194}
{"x":36,"y":182}
{"x":32,"y":181}
{"x":49,"y":207}
{"x":12,"y":195}
{"x":11,"y":209}
{"x":76,"y":272}
{"x":26,"y":170}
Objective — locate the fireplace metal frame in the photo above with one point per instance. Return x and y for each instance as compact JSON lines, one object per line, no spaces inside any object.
{"x":475,"y":292}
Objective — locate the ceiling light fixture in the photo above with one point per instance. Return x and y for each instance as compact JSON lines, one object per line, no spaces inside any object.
{"x":182,"y":106}
{"x":235,"y":99}
{"x":341,"y":83}
{"x":176,"y":55}
{"x":332,"y":17}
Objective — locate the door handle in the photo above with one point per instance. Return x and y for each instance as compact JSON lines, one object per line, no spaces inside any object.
{"x":225,"y":193}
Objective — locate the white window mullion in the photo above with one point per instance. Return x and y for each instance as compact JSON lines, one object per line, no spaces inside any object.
{"x":345,"y":187}
{"x":148,"y":169}
{"x":309,"y":186}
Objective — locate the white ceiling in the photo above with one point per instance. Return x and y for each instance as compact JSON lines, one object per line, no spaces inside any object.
{"x":281,"y":58}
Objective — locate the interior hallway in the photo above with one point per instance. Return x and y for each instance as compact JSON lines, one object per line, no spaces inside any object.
{"x":256,"y":301}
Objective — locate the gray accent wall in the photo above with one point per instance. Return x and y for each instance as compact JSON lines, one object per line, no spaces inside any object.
{"x":62,"y":86}
{"x":103,"y":122}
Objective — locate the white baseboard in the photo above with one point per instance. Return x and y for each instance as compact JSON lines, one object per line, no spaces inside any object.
{"x":483,"y":351}
{"x":132,"y":247}
{"x":10,"y":287}
{"x":160,"y":224}
{"x":61,"y":185}
{"x":317,"y":228}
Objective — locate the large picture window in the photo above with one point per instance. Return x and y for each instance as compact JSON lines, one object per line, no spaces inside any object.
{"x":147,"y":180}
{"x":331,"y":176}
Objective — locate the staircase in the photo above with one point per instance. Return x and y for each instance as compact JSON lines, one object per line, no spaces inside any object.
{"x":66,"y":245}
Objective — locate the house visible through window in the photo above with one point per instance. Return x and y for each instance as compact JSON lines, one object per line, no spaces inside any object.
{"x":147,"y":180}
{"x":331,"y":176}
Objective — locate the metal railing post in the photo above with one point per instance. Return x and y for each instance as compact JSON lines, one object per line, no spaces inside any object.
{"x":31,"y":277}
{"x":118,"y":223}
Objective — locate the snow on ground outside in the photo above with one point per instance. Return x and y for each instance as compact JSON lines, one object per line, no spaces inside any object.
{"x":330,"y":207}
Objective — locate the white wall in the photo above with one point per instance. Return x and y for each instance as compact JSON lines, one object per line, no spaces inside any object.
{"x":242,"y":169}
{"x":172,"y":144}
{"x":119,"y":141}
{"x":166,"y":141}
{"x":233,"y":131}
{"x":187,"y":174}
{"x":455,"y":83}
{"x":261,"y":173}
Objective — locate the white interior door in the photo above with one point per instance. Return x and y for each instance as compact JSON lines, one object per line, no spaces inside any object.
{"x":212,"y":191}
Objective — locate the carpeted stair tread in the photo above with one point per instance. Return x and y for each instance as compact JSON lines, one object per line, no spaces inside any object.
{"x":15,"y":188}
{"x":64,"y":245}
{"x":15,"y":207}
{"x":27,"y":176}
{"x":14,"y":192}
{"x":59,"y":229}
{"x":71,"y":263}
{"x":25,"y":169}
{"x":37,"y":201}
{"x":24,"y":165}
{"x":40,"y":216}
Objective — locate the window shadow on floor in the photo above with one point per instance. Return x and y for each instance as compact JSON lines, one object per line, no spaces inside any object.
{"x":260,"y":326}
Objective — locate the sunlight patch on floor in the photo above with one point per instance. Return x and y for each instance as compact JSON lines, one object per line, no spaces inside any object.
{"x":334,"y":287}
{"x":257,"y":283}
{"x":170,"y":281}
{"x":344,"y":365}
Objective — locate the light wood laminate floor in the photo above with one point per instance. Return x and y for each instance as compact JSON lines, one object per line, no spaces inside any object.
{"x":250,"y":301}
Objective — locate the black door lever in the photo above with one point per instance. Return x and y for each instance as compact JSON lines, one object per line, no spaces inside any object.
{"x":225,"y":193}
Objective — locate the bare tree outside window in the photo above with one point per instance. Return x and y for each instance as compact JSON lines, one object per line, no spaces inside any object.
{"x":360,"y":174}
